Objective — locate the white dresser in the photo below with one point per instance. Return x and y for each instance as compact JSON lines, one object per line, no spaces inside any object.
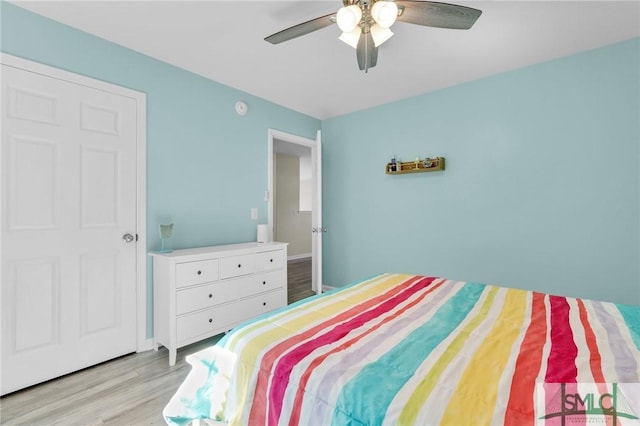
{"x":201,"y":292}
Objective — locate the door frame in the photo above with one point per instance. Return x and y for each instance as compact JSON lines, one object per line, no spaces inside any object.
{"x":269,"y":198}
{"x":142,"y":343}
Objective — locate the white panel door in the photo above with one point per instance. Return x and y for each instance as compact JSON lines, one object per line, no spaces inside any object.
{"x":68,"y":289}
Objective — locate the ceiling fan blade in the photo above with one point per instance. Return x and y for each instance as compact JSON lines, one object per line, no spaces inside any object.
{"x":302,"y":29}
{"x":440,"y":15}
{"x":367,"y":52}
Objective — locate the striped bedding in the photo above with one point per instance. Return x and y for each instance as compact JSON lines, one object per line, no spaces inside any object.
{"x":407,"y":349}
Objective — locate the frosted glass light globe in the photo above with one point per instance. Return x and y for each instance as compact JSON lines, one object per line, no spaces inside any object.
{"x":348,"y":18}
{"x":352,"y":38}
{"x":384,"y":13}
{"x":380,"y":34}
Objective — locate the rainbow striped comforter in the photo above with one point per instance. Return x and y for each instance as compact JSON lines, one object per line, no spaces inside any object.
{"x":404,"y":349}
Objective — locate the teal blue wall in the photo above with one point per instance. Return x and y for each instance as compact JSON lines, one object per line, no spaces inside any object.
{"x":206,"y":166}
{"x":541,"y":188}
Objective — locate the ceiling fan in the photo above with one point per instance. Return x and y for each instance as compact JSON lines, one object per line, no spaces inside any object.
{"x":365,"y":23}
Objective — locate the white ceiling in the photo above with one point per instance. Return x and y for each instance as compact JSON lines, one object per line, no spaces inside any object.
{"x":317,"y":74}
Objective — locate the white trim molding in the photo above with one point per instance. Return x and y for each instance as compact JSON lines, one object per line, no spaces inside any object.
{"x":314,"y":145}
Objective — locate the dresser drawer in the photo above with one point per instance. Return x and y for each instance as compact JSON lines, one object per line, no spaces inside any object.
{"x":261,"y":283}
{"x":265,"y":302}
{"x":236,"y":266}
{"x":202,"y":291}
{"x":209,"y":321}
{"x":270,"y":260}
{"x":202,"y":271}
{"x":205,"y":296}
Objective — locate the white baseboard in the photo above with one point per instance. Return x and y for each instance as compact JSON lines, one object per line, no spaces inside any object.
{"x":299,"y":256}
{"x":328,"y":287}
{"x":146,"y":346}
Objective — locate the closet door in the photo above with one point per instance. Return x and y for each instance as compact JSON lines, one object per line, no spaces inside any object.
{"x":68,"y":171}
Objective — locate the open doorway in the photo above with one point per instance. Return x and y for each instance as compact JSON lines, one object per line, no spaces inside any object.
{"x":292,"y":213}
{"x":293,"y":208}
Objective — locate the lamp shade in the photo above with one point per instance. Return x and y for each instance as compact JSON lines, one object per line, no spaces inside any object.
{"x":348,"y":18}
{"x":384,"y":13}
{"x":380,"y":34}
{"x":351,"y":38}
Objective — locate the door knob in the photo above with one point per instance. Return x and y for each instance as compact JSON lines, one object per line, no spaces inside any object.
{"x":127,"y":238}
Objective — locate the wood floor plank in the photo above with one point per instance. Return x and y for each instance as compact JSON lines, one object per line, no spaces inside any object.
{"x":130,"y":390}
{"x":299,"y":279}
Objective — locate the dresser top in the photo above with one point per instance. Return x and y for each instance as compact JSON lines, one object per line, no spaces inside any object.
{"x":252,"y":247}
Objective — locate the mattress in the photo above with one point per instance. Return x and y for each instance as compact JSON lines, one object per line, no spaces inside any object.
{"x":410,"y":349}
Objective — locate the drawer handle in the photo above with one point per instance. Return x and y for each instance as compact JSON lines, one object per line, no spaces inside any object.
{"x":264,"y":303}
{"x":199,"y":272}
{"x":264,"y":282}
{"x":239,"y":265}
{"x":210,"y":295}
{"x":271,"y":260}
{"x":210,"y":320}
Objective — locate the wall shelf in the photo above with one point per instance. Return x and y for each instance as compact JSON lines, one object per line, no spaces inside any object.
{"x":434,"y":165}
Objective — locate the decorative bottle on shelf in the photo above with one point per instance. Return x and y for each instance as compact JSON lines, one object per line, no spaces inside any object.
{"x":394,"y":167}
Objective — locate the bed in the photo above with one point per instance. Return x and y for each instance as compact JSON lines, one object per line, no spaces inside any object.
{"x":410,"y":349}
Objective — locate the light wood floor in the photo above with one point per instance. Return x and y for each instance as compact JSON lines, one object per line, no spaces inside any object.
{"x":131,"y":390}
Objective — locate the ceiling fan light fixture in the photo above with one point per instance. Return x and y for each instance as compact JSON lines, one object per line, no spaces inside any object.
{"x":365,"y":24}
{"x":351,"y":38}
{"x":384,"y":13}
{"x":380,"y":34}
{"x":348,"y":18}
